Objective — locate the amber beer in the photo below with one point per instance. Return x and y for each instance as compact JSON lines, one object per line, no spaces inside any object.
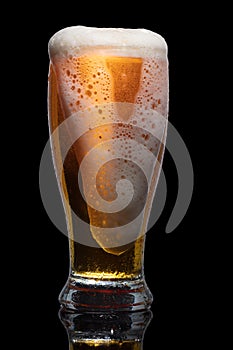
{"x":107,"y":90}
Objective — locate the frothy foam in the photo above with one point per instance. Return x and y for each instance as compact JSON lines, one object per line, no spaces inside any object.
{"x":136,"y":42}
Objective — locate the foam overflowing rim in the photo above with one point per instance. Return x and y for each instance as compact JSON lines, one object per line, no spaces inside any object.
{"x":142,"y":42}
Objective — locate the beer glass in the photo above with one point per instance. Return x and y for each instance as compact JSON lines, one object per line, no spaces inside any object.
{"x":124,"y":330}
{"x":108,"y":106}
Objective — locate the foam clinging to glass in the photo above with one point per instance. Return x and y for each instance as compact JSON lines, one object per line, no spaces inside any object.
{"x":105,"y":65}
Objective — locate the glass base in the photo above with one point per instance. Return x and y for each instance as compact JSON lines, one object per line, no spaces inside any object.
{"x":82,"y":294}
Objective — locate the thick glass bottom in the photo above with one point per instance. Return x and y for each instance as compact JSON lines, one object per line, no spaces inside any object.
{"x":82,"y":294}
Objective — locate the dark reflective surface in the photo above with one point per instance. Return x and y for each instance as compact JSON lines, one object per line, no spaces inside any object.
{"x":116,"y":330}
{"x":167,"y":325}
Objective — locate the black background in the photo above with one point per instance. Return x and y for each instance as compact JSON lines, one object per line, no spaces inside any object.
{"x":174,"y":267}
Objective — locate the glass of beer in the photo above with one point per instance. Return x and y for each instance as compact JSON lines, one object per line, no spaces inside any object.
{"x":108,"y":107}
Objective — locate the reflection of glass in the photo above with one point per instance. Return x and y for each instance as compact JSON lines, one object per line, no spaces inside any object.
{"x":111,"y":331}
{"x":108,"y":101}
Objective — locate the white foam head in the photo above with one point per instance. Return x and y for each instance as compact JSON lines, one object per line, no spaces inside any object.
{"x":139,"y":42}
